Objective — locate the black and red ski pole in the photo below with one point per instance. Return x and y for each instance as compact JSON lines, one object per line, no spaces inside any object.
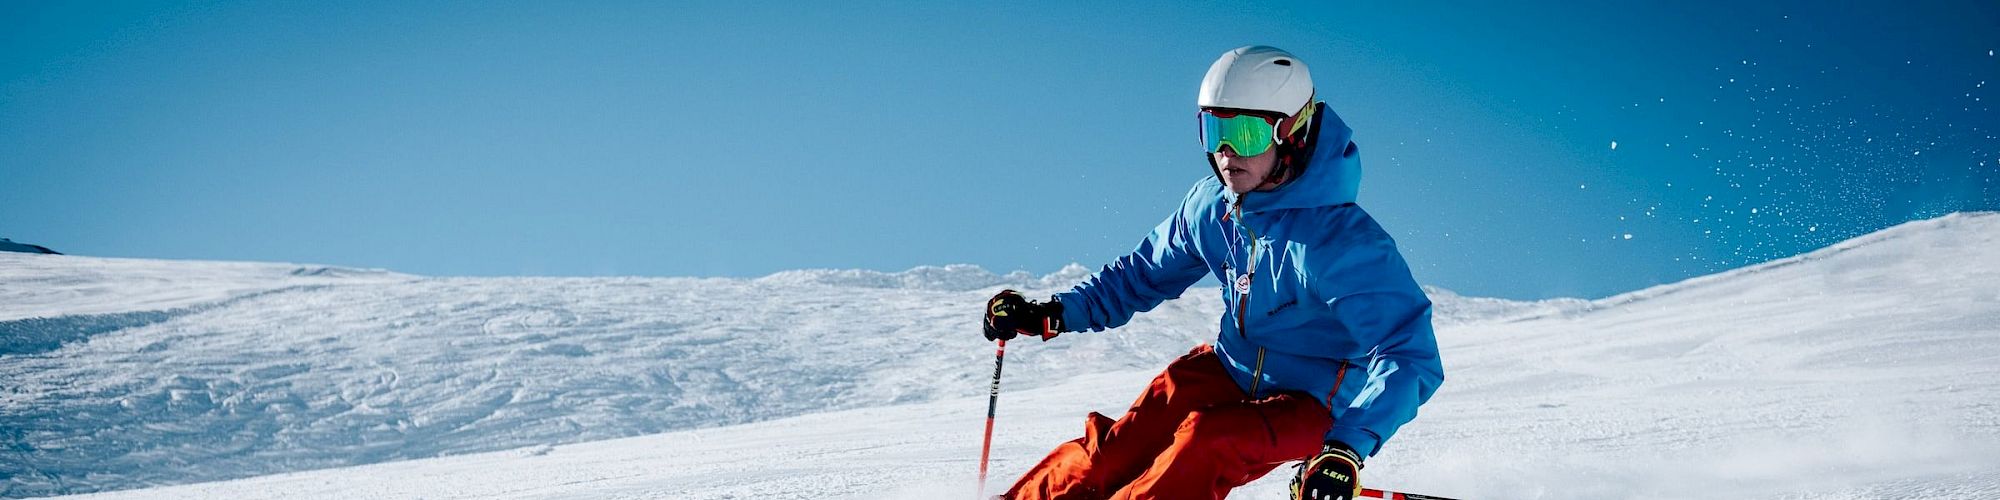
{"x":992,"y":402}
{"x":1393,"y":495}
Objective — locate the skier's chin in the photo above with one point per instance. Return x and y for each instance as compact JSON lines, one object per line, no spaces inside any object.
{"x":1238,"y":180}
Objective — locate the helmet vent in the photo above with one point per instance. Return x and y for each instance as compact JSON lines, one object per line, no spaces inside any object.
{"x":1283,"y":62}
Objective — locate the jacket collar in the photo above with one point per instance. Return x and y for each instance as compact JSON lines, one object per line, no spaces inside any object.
{"x":1332,"y":175}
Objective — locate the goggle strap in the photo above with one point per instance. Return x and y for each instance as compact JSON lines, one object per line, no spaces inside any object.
{"x":1298,"y":120}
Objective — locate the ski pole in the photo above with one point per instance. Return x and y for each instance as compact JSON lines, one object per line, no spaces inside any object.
{"x":1392,"y":495}
{"x":992,"y":401}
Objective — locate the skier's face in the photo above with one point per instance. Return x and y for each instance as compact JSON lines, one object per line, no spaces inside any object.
{"x":1243,"y":174}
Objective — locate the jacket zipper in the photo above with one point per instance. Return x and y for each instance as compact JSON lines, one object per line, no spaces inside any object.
{"x":1257,"y":375}
{"x":1243,"y":299}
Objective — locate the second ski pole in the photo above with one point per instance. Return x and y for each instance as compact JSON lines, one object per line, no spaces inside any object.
{"x":1393,"y":495}
{"x":992,"y":402}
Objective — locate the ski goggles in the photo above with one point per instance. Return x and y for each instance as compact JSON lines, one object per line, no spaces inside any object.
{"x":1248,"y":134}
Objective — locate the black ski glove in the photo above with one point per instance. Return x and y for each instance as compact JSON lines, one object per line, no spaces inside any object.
{"x":1008,"y":314}
{"x":1331,"y":475}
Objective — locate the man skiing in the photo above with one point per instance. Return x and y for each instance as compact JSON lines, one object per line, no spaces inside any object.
{"x":1325,"y":346}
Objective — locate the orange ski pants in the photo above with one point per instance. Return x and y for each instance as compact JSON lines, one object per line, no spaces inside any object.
{"x":1193,"y":434}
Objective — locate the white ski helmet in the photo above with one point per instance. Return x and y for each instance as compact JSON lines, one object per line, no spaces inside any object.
{"x":1257,"y":78}
{"x":1266,"y":80}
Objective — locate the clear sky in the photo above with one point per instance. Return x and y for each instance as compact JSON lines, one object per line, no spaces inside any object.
{"x":740,"y":139}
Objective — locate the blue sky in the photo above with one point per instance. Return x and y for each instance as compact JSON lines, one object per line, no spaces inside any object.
{"x":726,"y":139}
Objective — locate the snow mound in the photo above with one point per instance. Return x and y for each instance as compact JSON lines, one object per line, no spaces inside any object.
{"x":1448,"y":308}
{"x":1886,"y":252}
{"x":66,"y":285}
{"x":955,"y":277}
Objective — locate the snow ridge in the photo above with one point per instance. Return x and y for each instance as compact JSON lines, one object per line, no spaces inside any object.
{"x":954,"y":277}
{"x":1448,"y":308}
{"x":1951,"y":231}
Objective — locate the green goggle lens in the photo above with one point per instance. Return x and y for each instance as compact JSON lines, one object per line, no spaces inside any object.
{"x":1248,"y":135}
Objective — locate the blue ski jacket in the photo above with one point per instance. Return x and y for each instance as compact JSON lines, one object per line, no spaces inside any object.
{"x":1319,"y":300}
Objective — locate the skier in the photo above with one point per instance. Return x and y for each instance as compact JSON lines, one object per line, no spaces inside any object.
{"x":1325,"y":346}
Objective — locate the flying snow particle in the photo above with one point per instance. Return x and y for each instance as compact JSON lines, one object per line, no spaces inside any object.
{"x":1753,"y":210}
{"x":1614,"y":145}
{"x":1628,"y":236}
{"x":1583,"y":186}
{"x":1810,"y":229}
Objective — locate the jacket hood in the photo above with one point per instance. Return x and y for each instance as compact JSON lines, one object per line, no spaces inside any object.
{"x":1332,"y":175}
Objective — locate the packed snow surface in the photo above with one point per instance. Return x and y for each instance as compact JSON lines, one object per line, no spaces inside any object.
{"x":1863,"y":370}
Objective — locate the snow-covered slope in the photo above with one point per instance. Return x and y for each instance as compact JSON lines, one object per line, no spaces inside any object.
{"x":1865,"y":370}
{"x":126,"y":373}
{"x":1869,"y":369}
